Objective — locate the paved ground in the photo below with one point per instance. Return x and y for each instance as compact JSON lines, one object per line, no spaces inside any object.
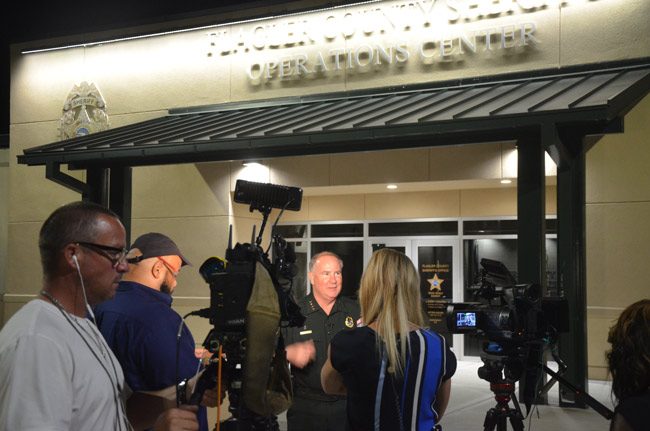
{"x":471,"y":399}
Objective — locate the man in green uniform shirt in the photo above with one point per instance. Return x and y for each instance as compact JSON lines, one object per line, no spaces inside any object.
{"x":326,"y":314}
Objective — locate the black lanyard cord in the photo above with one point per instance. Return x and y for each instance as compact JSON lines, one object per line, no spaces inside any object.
{"x":114,"y":384}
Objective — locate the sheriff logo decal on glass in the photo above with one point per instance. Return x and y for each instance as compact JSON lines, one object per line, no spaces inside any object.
{"x":435,"y":266}
{"x":435,"y":283}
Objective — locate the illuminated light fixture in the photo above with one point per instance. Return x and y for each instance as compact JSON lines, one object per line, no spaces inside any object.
{"x":508,"y":171}
{"x":185,"y":30}
{"x":254,"y":170}
{"x":391,"y":186}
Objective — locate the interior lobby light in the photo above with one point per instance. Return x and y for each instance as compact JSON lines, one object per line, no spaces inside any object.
{"x":391,"y":186}
{"x":506,"y":181}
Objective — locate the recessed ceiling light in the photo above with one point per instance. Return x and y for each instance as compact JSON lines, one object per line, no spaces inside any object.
{"x":506,"y":181}
{"x":391,"y":186}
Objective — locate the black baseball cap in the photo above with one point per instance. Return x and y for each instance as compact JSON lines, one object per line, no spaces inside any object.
{"x":154,"y":244}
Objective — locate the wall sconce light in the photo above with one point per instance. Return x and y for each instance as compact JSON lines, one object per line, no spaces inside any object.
{"x":254,"y":170}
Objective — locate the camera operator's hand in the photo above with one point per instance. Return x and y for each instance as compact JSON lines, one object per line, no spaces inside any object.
{"x":211,"y":397}
{"x":300,"y":354}
{"x":178,"y":419}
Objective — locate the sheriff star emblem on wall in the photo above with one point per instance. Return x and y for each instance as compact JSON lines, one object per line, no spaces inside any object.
{"x":84,"y":112}
{"x":435,"y":282}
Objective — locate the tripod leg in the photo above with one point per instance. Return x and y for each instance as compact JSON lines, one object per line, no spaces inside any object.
{"x":516,"y":417}
{"x":517,"y":423}
{"x":490,"y":421}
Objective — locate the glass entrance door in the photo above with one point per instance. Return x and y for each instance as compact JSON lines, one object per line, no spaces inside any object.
{"x":402,"y":245}
{"x":438,"y":263}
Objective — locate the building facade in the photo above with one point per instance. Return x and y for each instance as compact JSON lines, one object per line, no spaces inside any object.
{"x":80,"y":88}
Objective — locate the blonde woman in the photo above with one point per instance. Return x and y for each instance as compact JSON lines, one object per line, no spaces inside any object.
{"x":395,"y":373}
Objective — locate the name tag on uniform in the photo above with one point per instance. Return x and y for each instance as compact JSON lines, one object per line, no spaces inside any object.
{"x":307,"y":332}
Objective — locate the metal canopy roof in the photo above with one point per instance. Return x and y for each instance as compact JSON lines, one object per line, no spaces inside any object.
{"x":397,"y":117}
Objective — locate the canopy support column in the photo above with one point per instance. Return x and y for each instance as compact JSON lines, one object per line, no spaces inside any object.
{"x":572,"y":264}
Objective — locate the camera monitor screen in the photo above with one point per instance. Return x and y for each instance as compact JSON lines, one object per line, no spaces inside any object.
{"x":466,"y":319}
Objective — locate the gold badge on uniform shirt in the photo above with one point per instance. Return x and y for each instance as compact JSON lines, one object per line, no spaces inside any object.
{"x":349,"y":322}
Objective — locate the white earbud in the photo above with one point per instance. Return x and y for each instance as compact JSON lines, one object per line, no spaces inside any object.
{"x":83,"y":288}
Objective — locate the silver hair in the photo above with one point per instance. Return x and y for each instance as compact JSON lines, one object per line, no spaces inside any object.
{"x":317,"y":256}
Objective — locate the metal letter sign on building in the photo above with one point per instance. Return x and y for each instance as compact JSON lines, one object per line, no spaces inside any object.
{"x":84,"y":112}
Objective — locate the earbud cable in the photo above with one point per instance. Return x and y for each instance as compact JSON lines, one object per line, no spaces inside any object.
{"x":83,"y":290}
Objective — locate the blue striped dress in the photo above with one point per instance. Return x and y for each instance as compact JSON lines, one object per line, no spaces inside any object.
{"x":378,"y":400}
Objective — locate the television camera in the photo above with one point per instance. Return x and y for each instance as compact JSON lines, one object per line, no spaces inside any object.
{"x":507,"y":314}
{"x":516,"y":325}
{"x":231,"y":284}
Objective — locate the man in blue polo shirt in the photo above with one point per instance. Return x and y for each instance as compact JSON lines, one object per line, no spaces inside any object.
{"x":141,"y":327}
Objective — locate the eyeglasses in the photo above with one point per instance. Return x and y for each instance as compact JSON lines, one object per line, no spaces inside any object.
{"x":117,"y":256}
{"x":169,"y":267}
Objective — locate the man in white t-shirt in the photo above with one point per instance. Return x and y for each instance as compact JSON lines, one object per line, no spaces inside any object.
{"x":56,"y":370}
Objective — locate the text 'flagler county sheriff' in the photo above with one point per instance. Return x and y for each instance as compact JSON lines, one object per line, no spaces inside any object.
{"x":377,"y":35}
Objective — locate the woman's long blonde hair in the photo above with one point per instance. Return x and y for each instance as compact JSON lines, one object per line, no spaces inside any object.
{"x":389,"y":296}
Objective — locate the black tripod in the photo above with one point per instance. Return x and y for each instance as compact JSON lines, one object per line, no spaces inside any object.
{"x":242,"y":419}
{"x":503,"y":372}
{"x":496,"y":418}
{"x":502,"y":375}
{"x":245,"y":420}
